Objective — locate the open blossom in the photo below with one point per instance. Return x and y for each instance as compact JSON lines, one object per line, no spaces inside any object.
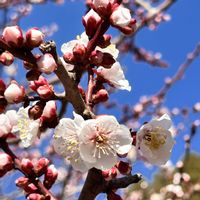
{"x":102,"y":139}
{"x":155,"y":141}
{"x":91,"y":143}
{"x":121,"y":17}
{"x":66,"y":141}
{"x":115,"y":76}
{"x":28,"y":128}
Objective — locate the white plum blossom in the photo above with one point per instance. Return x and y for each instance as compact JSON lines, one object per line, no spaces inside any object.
{"x":102,"y":139}
{"x":155,"y":141}
{"x":27,"y":128}
{"x":121,"y":16}
{"x":91,"y":143}
{"x":115,"y":76}
{"x":66,"y":141}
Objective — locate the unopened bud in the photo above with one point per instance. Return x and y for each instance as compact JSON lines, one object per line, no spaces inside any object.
{"x":34,"y":85}
{"x":123,"y":167}
{"x":34,"y":37}
{"x":6,"y":163}
{"x":6,"y":58}
{"x":50,"y":176}
{"x":41,"y":166}
{"x":91,"y":22}
{"x":68,"y":58}
{"x":121,"y":17}
{"x":79,"y":51}
{"x":45,"y":91}
{"x":14,"y":93}
{"x":46,"y":63}
{"x":27,"y":166}
{"x":100,"y":96}
{"x":13,"y":36}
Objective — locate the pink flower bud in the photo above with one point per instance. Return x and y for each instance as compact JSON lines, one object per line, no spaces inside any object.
{"x":34,"y":85}
{"x":91,"y":21}
{"x":34,"y":37}
{"x":100,"y":96}
{"x":123,"y":167}
{"x":6,"y":163}
{"x":50,"y":176}
{"x":79,"y":51}
{"x":121,"y":17}
{"x":13,"y":36}
{"x":27,"y":166}
{"x":68,"y":58}
{"x":22,"y":182}
{"x":49,"y":111}
{"x":109,"y":173}
{"x":14,"y":93}
{"x":45,"y":91}
{"x":46,"y":63}
{"x":41,"y":166}
{"x":35,"y":196}
{"x":6,"y":58}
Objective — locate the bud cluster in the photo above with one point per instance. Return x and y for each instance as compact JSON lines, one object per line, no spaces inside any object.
{"x":36,"y":170}
{"x":13,"y":37}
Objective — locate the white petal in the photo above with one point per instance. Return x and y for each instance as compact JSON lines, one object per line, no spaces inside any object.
{"x":105,"y":161}
{"x":87,"y":152}
{"x":164,"y":121}
{"x":124,"y":140}
{"x":67,"y":47}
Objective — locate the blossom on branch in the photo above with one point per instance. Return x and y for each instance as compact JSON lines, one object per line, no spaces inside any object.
{"x":114,"y":76}
{"x":155,"y":140}
{"x":92,"y":143}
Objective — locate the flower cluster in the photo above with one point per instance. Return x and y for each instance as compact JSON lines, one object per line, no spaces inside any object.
{"x":110,"y":71}
{"x":92,"y":143}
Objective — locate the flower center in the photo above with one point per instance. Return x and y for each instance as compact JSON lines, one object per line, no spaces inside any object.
{"x":154,"y":139}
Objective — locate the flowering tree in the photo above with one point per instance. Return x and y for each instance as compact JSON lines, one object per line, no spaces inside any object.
{"x":33,"y":115}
